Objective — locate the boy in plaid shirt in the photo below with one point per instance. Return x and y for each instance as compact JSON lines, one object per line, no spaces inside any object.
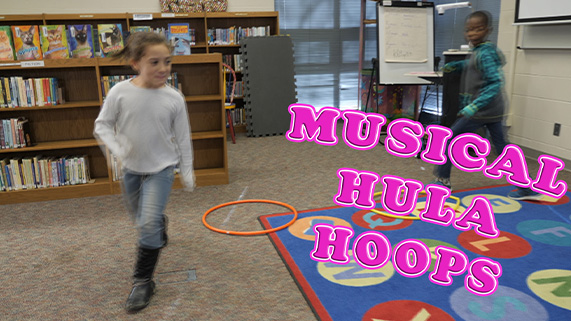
{"x":481,"y":94}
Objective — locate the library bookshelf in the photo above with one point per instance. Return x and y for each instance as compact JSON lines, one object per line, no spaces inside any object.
{"x":225,"y":20}
{"x":67,"y":128}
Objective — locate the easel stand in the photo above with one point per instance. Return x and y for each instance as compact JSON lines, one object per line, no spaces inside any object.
{"x":373,"y":80}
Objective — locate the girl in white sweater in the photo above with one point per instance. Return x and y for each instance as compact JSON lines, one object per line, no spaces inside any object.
{"x":144,"y":123}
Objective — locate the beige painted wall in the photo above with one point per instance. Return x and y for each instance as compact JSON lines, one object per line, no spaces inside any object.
{"x":539,"y":87}
{"x":112,"y":6}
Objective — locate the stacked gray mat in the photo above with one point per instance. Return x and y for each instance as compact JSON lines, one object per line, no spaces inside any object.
{"x":269,"y":84}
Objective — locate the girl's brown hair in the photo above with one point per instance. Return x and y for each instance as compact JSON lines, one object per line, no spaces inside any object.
{"x":138,"y":42}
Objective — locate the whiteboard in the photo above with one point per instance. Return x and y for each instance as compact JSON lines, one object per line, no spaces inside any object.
{"x":405,"y":31}
{"x":546,"y":37}
{"x":544,"y":11}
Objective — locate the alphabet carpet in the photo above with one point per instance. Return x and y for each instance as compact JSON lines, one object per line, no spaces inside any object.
{"x":533,"y":248}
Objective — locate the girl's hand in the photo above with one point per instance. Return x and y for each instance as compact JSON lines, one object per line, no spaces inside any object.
{"x":189,"y":182}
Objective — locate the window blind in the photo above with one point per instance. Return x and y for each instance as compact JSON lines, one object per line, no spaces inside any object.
{"x":325,"y":34}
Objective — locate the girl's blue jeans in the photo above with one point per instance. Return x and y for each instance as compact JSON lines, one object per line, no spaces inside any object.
{"x":146,"y":196}
{"x":468,"y":125}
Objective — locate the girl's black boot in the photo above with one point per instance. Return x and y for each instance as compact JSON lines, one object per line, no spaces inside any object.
{"x":143,"y":284}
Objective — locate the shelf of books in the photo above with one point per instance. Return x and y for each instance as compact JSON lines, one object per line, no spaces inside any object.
{"x":224,"y":32}
{"x":51,"y":90}
{"x":185,"y":30}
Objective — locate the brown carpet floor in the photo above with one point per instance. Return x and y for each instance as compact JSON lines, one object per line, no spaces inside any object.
{"x":72,"y":259}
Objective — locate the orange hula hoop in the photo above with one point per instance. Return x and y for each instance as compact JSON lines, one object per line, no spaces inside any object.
{"x":249,"y":233}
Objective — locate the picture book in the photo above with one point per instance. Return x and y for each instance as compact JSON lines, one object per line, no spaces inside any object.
{"x":134,"y":29}
{"x":27,"y":42}
{"x":80,"y":41}
{"x":6,"y":44}
{"x":179,"y":37}
{"x":110,"y":38}
{"x":54,"y":41}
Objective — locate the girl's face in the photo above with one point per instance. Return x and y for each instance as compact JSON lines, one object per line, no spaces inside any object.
{"x":476,"y":31}
{"x":154,"y":67}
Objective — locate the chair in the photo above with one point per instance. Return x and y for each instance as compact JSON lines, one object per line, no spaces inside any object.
{"x":229,"y":106}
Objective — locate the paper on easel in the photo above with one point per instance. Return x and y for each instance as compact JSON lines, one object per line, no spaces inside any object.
{"x":405,"y":35}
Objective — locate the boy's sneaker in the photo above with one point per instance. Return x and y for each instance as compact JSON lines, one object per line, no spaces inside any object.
{"x":525,"y":194}
{"x":442,"y":182}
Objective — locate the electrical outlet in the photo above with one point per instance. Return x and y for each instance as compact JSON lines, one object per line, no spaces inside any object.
{"x":556,"y":129}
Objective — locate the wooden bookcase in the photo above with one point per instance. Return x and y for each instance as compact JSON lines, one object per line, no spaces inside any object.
{"x":240,"y":19}
{"x":67,"y":129}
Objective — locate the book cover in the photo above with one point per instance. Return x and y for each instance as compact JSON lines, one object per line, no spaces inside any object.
{"x":54,"y":41}
{"x":16,"y":173}
{"x":2,"y":183}
{"x":27,"y":42}
{"x":4,"y":167}
{"x":25,"y":132}
{"x":86,"y":172}
{"x":110,"y":38}
{"x":7,"y":91}
{"x":134,"y":29}
{"x":2,"y":137}
{"x":37,"y":171}
{"x":80,"y":41}
{"x":6,"y":44}
{"x":179,"y":37}
{"x":27,"y":173}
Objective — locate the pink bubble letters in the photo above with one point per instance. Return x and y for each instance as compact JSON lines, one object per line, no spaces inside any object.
{"x":412,"y":258}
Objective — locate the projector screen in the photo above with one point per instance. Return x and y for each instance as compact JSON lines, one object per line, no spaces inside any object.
{"x":542,"y":11}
